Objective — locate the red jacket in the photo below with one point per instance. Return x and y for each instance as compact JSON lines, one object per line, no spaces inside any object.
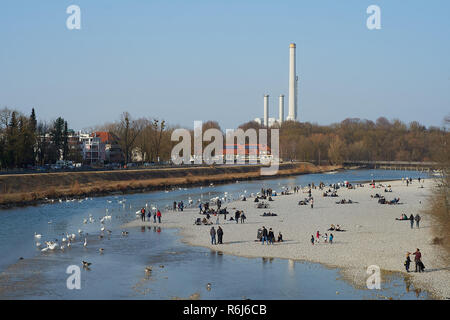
{"x":158,"y":214}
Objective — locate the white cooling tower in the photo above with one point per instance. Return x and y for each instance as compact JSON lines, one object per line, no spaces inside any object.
{"x":281,"y":106}
{"x":266,"y":110}
{"x":292,"y":84}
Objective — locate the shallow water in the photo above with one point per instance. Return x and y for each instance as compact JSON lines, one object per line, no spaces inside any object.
{"x":119,"y":273}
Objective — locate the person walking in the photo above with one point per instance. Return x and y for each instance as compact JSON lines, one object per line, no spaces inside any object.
{"x":174,"y":206}
{"x":417,"y":218}
{"x":411,"y":219}
{"x":143,"y":214}
{"x":243,"y":217}
{"x":418,"y":260}
{"x":312,"y":239}
{"x":158,"y":214}
{"x":318,"y":236}
{"x":200,"y":207}
{"x":264,"y":235}
{"x":212,"y":232}
{"x":331,"y":238}
{"x":236,"y":215}
{"x":271,"y":237}
{"x":154,"y":217}
{"x":220,"y":235}
{"x":149,"y":215}
{"x":312,"y":203}
{"x":407,"y":261}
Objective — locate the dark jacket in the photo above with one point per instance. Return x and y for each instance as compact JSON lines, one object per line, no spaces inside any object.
{"x":264,"y":232}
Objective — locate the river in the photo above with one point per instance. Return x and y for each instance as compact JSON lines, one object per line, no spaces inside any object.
{"x":179,"y":270}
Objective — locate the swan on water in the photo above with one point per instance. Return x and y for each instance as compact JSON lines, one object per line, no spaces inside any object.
{"x":37,"y":236}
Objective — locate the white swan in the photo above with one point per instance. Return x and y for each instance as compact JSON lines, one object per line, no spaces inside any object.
{"x":52,"y":245}
{"x":37,"y":236}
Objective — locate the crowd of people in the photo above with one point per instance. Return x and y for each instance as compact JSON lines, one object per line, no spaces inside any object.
{"x":267,"y":235}
{"x":156,"y":215}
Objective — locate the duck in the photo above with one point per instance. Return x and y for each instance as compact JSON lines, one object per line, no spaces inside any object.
{"x":102,"y":229}
{"x":86,"y":264}
{"x":208,"y":286}
{"x":101,"y":250}
{"x":37,"y":236}
{"x":80,"y":231}
{"x":124,"y":233}
{"x":148,"y":269}
{"x":85,"y":242}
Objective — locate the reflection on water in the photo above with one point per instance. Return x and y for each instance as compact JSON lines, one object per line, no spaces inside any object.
{"x":178,"y":271}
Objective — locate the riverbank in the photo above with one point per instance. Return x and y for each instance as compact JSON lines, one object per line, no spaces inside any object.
{"x":373,"y":236}
{"x":31,"y":189}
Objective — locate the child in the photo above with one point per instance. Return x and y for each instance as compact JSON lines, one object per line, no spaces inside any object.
{"x":331,"y":238}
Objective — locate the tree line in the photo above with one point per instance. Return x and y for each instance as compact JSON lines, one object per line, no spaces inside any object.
{"x":24,"y":141}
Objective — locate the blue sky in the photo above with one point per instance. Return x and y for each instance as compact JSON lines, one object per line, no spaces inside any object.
{"x":214,"y":60}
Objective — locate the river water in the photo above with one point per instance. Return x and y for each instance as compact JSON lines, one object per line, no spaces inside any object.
{"x":179,"y":270}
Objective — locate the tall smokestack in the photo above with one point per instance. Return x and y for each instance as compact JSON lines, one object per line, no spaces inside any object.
{"x":266,"y":110}
{"x":292,"y":84}
{"x":281,"y":105}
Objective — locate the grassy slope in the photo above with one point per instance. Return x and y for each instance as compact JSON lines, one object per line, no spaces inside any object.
{"x":28,"y":188}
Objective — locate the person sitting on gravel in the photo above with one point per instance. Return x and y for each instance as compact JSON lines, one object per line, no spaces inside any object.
{"x":280,"y":237}
{"x":332,"y":228}
{"x":404,"y":217}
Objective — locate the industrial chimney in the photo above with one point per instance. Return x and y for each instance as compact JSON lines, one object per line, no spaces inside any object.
{"x":292,"y":84}
{"x":281,"y":106}
{"x":266,"y":110}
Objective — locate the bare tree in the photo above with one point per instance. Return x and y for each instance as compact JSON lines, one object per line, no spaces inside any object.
{"x":127,"y":130}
